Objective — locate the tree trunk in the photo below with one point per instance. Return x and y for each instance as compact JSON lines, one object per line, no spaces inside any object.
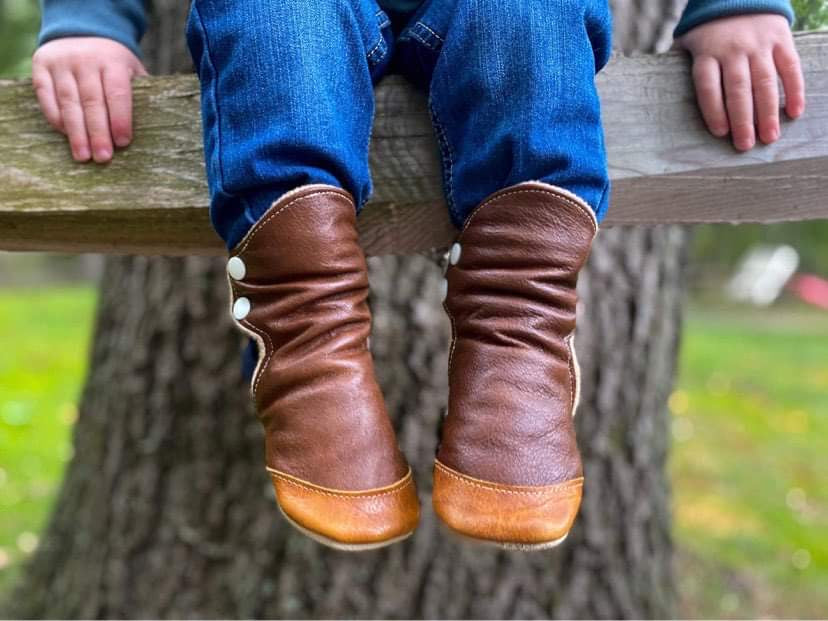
{"x":166,"y":510}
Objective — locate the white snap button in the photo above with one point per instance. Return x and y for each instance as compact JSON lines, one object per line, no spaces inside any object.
{"x":443,"y":290}
{"x":240,"y":308}
{"x":236,"y":268}
{"x":454,"y":255}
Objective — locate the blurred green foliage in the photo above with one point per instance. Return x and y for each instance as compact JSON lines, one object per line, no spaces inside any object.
{"x":42,"y":365}
{"x":19,"y":21}
{"x":748,"y":467}
{"x":810,"y":14}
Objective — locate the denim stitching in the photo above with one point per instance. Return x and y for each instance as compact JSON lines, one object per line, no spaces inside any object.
{"x":374,"y":49}
{"x":219,"y":141}
{"x":601,"y":200}
{"x":436,"y":36}
{"x":214,"y":89}
{"x":364,"y":199}
{"x":380,"y":46}
{"x":413,"y":34}
{"x":446,"y":155}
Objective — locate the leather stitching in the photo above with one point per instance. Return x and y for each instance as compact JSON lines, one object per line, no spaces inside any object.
{"x":586,"y":211}
{"x":248,"y":238}
{"x":453,"y":335}
{"x":405,"y":482}
{"x":268,"y":217}
{"x":253,"y":332}
{"x":572,"y":380}
{"x":269,"y":355}
{"x":570,"y":486}
{"x":246,"y":326}
{"x":554,"y":192}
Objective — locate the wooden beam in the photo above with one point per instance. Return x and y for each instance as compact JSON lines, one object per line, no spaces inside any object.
{"x":152,"y":198}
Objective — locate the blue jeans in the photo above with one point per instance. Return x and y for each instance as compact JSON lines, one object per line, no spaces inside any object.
{"x":287,"y":95}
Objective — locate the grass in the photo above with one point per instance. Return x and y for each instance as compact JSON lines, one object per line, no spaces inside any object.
{"x":749,"y":467}
{"x":45,"y":334}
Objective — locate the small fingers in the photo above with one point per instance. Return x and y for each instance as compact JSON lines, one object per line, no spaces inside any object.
{"x":739,"y":102}
{"x":44,"y":89}
{"x":95,"y":114}
{"x":790,"y":70}
{"x":118,"y":92}
{"x":139,"y":70}
{"x":707,"y":77}
{"x":765,"y":97}
{"x":68,"y":97}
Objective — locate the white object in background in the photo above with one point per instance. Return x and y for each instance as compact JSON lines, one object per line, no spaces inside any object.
{"x":762,"y":274}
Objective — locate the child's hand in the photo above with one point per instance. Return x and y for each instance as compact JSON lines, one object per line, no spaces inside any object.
{"x":735,"y":64}
{"x":84,"y":87}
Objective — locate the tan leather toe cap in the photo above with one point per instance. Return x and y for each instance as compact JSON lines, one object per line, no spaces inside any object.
{"x":515,"y":516}
{"x":349,"y":520}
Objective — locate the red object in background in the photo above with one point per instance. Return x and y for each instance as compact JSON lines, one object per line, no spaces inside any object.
{"x":811,"y":289}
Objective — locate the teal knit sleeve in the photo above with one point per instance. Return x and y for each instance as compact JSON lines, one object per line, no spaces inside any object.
{"x":701,"y":11}
{"x":122,"y":20}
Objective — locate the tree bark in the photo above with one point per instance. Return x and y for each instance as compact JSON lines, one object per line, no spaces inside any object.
{"x":166,"y":510}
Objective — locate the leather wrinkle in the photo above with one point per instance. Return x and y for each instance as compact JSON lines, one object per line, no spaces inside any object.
{"x":512,"y":303}
{"x":307,"y":282}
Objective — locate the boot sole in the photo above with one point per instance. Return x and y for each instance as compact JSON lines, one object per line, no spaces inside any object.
{"x":338,"y":545}
{"x":505,"y":545}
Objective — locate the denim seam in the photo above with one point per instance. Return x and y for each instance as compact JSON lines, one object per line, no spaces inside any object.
{"x":373,"y":50}
{"x":219,"y":141}
{"x":381,"y":16}
{"x":214,"y":89}
{"x":601,"y":200}
{"x":386,"y":21}
{"x":447,"y":158}
{"x":413,"y":34}
{"x":367,"y":152}
{"x":380,"y":45}
{"x":436,"y":36}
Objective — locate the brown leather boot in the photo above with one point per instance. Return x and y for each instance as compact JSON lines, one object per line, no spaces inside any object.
{"x":508,"y":469}
{"x":299,"y":286}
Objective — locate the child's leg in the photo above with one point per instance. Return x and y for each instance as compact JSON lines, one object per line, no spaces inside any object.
{"x":512,"y":94}
{"x":287,"y":105}
{"x":287,"y":99}
{"x":517,"y":115}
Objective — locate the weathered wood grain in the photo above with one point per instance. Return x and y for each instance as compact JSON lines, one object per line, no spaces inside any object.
{"x":152,"y":198}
